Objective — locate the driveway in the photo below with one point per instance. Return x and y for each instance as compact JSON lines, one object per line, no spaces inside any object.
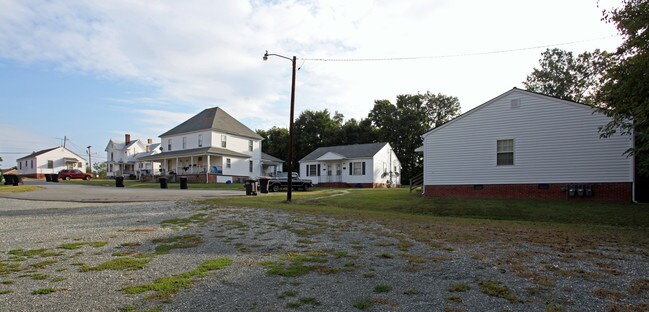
{"x":100,"y":194}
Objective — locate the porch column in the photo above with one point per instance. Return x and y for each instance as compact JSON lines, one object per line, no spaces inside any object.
{"x":191,"y":164}
{"x":176,"y":166}
{"x":207,"y":169}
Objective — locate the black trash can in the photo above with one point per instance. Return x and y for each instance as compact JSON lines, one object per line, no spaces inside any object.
{"x":48,"y":177}
{"x":119,"y":181}
{"x":263,"y":184}
{"x":183,"y":183}
{"x":251,"y":187}
{"x":9,"y":179}
{"x":55,"y":177}
{"x":163,"y":183}
{"x":17,"y":180}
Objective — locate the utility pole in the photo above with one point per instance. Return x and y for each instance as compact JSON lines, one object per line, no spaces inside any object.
{"x":89,"y":159}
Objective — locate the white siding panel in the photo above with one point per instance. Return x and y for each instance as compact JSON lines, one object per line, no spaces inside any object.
{"x":554,"y":142}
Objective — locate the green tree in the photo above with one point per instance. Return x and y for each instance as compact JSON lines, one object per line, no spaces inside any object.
{"x":440,"y":108}
{"x":315,"y":129}
{"x":567,"y":77}
{"x":275,"y":142}
{"x":625,"y":92}
{"x":100,"y":169}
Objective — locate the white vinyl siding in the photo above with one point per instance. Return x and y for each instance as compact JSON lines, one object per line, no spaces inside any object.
{"x":555,"y":141}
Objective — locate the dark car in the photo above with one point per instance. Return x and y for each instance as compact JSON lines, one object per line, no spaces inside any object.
{"x":279,"y":182}
{"x":74,"y":174}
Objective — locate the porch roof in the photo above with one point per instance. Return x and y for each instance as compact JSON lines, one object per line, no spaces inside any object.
{"x":212,"y":151}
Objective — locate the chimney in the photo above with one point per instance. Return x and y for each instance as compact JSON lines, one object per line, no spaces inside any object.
{"x":127,"y":139}
{"x":149,"y":141}
{"x":148,"y":145}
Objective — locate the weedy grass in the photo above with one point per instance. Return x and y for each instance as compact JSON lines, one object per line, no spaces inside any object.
{"x":31,"y":253}
{"x":77,"y":245}
{"x":18,"y":189}
{"x":43,"y":291}
{"x":382,"y":288}
{"x":185,"y":222}
{"x":362,"y":303}
{"x":42,"y":264}
{"x":166,"y":287}
{"x":303,"y":301}
{"x":288,"y":293}
{"x":121,"y":264}
{"x":460,"y":287}
{"x":5,"y":291}
{"x":496,"y":289}
{"x":39,"y":276}
{"x":176,"y":242}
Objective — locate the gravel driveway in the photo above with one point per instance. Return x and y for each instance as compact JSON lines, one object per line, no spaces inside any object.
{"x":52,"y":257}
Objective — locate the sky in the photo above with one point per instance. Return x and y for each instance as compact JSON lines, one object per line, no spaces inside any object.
{"x":94,"y":70}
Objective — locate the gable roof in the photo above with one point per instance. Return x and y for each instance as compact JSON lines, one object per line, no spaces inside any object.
{"x":34,"y":154}
{"x":213,"y":118}
{"x":513,"y":90}
{"x":272,"y":158}
{"x":347,"y":151}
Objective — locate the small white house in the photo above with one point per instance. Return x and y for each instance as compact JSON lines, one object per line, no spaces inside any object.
{"x":270,"y":165}
{"x":357,"y":165}
{"x":52,"y":160}
{"x":123,"y":157}
{"x":527,"y":145}
{"x":211,"y":146}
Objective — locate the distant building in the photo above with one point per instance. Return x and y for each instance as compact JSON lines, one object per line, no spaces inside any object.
{"x":52,"y":160}
{"x":211,"y":146}
{"x":358,"y":165}
{"x":527,"y":145}
{"x":123,"y":157}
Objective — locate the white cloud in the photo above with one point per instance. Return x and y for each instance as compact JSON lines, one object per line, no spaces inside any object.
{"x":202,"y":54}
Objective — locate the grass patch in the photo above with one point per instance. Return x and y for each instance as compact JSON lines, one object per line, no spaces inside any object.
{"x":43,"y":291}
{"x":296,"y":264}
{"x":496,"y":289}
{"x":288,"y":293}
{"x":18,"y":189}
{"x":122,"y":264}
{"x":132,"y":308}
{"x":165,"y":287}
{"x":77,"y":245}
{"x":58,"y":279}
{"x":382,"y":288}
{"x":42,"y":264}
{"x":39,"y":276}
{"x":5,"y":291}
{"x":31,"y":253}
{"x":362,"y":303}
{"x":303,"y":301}
{"x":7,"y":282}
{"x":177,"y":242}
{"x":184,"y":222}
{"x":460,"y":287}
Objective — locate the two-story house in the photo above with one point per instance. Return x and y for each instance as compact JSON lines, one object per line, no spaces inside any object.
{"x":123,"y":157}
{"x":210,"y":147}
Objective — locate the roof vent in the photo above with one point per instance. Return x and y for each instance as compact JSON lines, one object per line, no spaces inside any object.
{"x":515,"y":103}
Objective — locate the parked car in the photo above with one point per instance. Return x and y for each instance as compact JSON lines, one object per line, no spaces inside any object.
{"x":281,"y":182}
{"x":74,"y":174}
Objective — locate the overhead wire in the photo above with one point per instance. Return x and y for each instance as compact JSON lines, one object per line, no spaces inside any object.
{"x":408,"y":58}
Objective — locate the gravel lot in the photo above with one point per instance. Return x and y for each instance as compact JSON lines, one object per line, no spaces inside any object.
{"x":340,"y":265}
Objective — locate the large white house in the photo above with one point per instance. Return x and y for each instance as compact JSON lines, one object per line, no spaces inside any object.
{"x":357,"y":165}
{"x":210,"y":147}
{"x":52,"y":160}
{"x":123,"y":157}
{"x":527,"y":145}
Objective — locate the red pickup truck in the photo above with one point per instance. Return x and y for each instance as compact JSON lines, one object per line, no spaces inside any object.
{"x":74,"y":174}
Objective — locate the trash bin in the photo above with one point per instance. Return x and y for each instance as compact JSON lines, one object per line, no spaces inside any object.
{"x":9,"y":179}
{"x":163,"y":183}
{"x":183,"y":183}
{"x":119,"y":181}
{"x":55,"y":177}
{"x":251,"y":187}
{"x":48,"y":177}
{"x":263,"y":184}
{"x":17,"y":180}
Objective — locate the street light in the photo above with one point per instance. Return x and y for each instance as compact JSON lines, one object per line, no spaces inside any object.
{"x":290,"y":129}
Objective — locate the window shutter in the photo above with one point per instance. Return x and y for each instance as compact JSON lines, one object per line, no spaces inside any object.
{"x":318,"y":169}
{"x":307,"y":170}
{"x":350,"y":168}
{"x":363,"y":168}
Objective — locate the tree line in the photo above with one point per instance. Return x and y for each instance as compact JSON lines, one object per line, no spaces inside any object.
{"x":401,"y":124}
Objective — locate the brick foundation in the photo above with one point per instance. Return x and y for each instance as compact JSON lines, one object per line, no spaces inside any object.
{"x":356,"y":185}
{"x":617,"y":192}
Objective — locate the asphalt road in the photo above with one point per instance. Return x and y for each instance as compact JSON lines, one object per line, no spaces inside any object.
{"x":100,"y":194}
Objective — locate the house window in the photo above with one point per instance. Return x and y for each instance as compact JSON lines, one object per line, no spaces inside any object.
{"x":31,"y":163}
{"x":184,"y":142}
{"x":20,"y":165}
{"x":250,"y":165}
{"x":200,"y":140}
{"x":223,"y":141}
{"x":250,"y":145}
{"x":169,"y":145}
{"x":50,"y":164}
{"x":79,"y":165}
{"x":312,"y":170}
{"x":228,"y":163}
{"x":357,"y":168}
{"x":505,"y":152}
{"x":111,"y":156}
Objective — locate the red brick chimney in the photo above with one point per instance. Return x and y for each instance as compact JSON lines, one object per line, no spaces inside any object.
{"x":148,"y":145}
{"x":127,"y":138}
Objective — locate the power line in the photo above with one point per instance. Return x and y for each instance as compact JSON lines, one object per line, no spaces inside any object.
{"x":409,"y":58}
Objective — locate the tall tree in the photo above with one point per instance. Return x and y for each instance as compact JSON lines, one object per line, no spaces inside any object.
{"x":314,"y":129}
{"x":275,"y":142}
{"x":567,"y":77}
{"x":625,"y":92}
{"x":403,"y":123}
